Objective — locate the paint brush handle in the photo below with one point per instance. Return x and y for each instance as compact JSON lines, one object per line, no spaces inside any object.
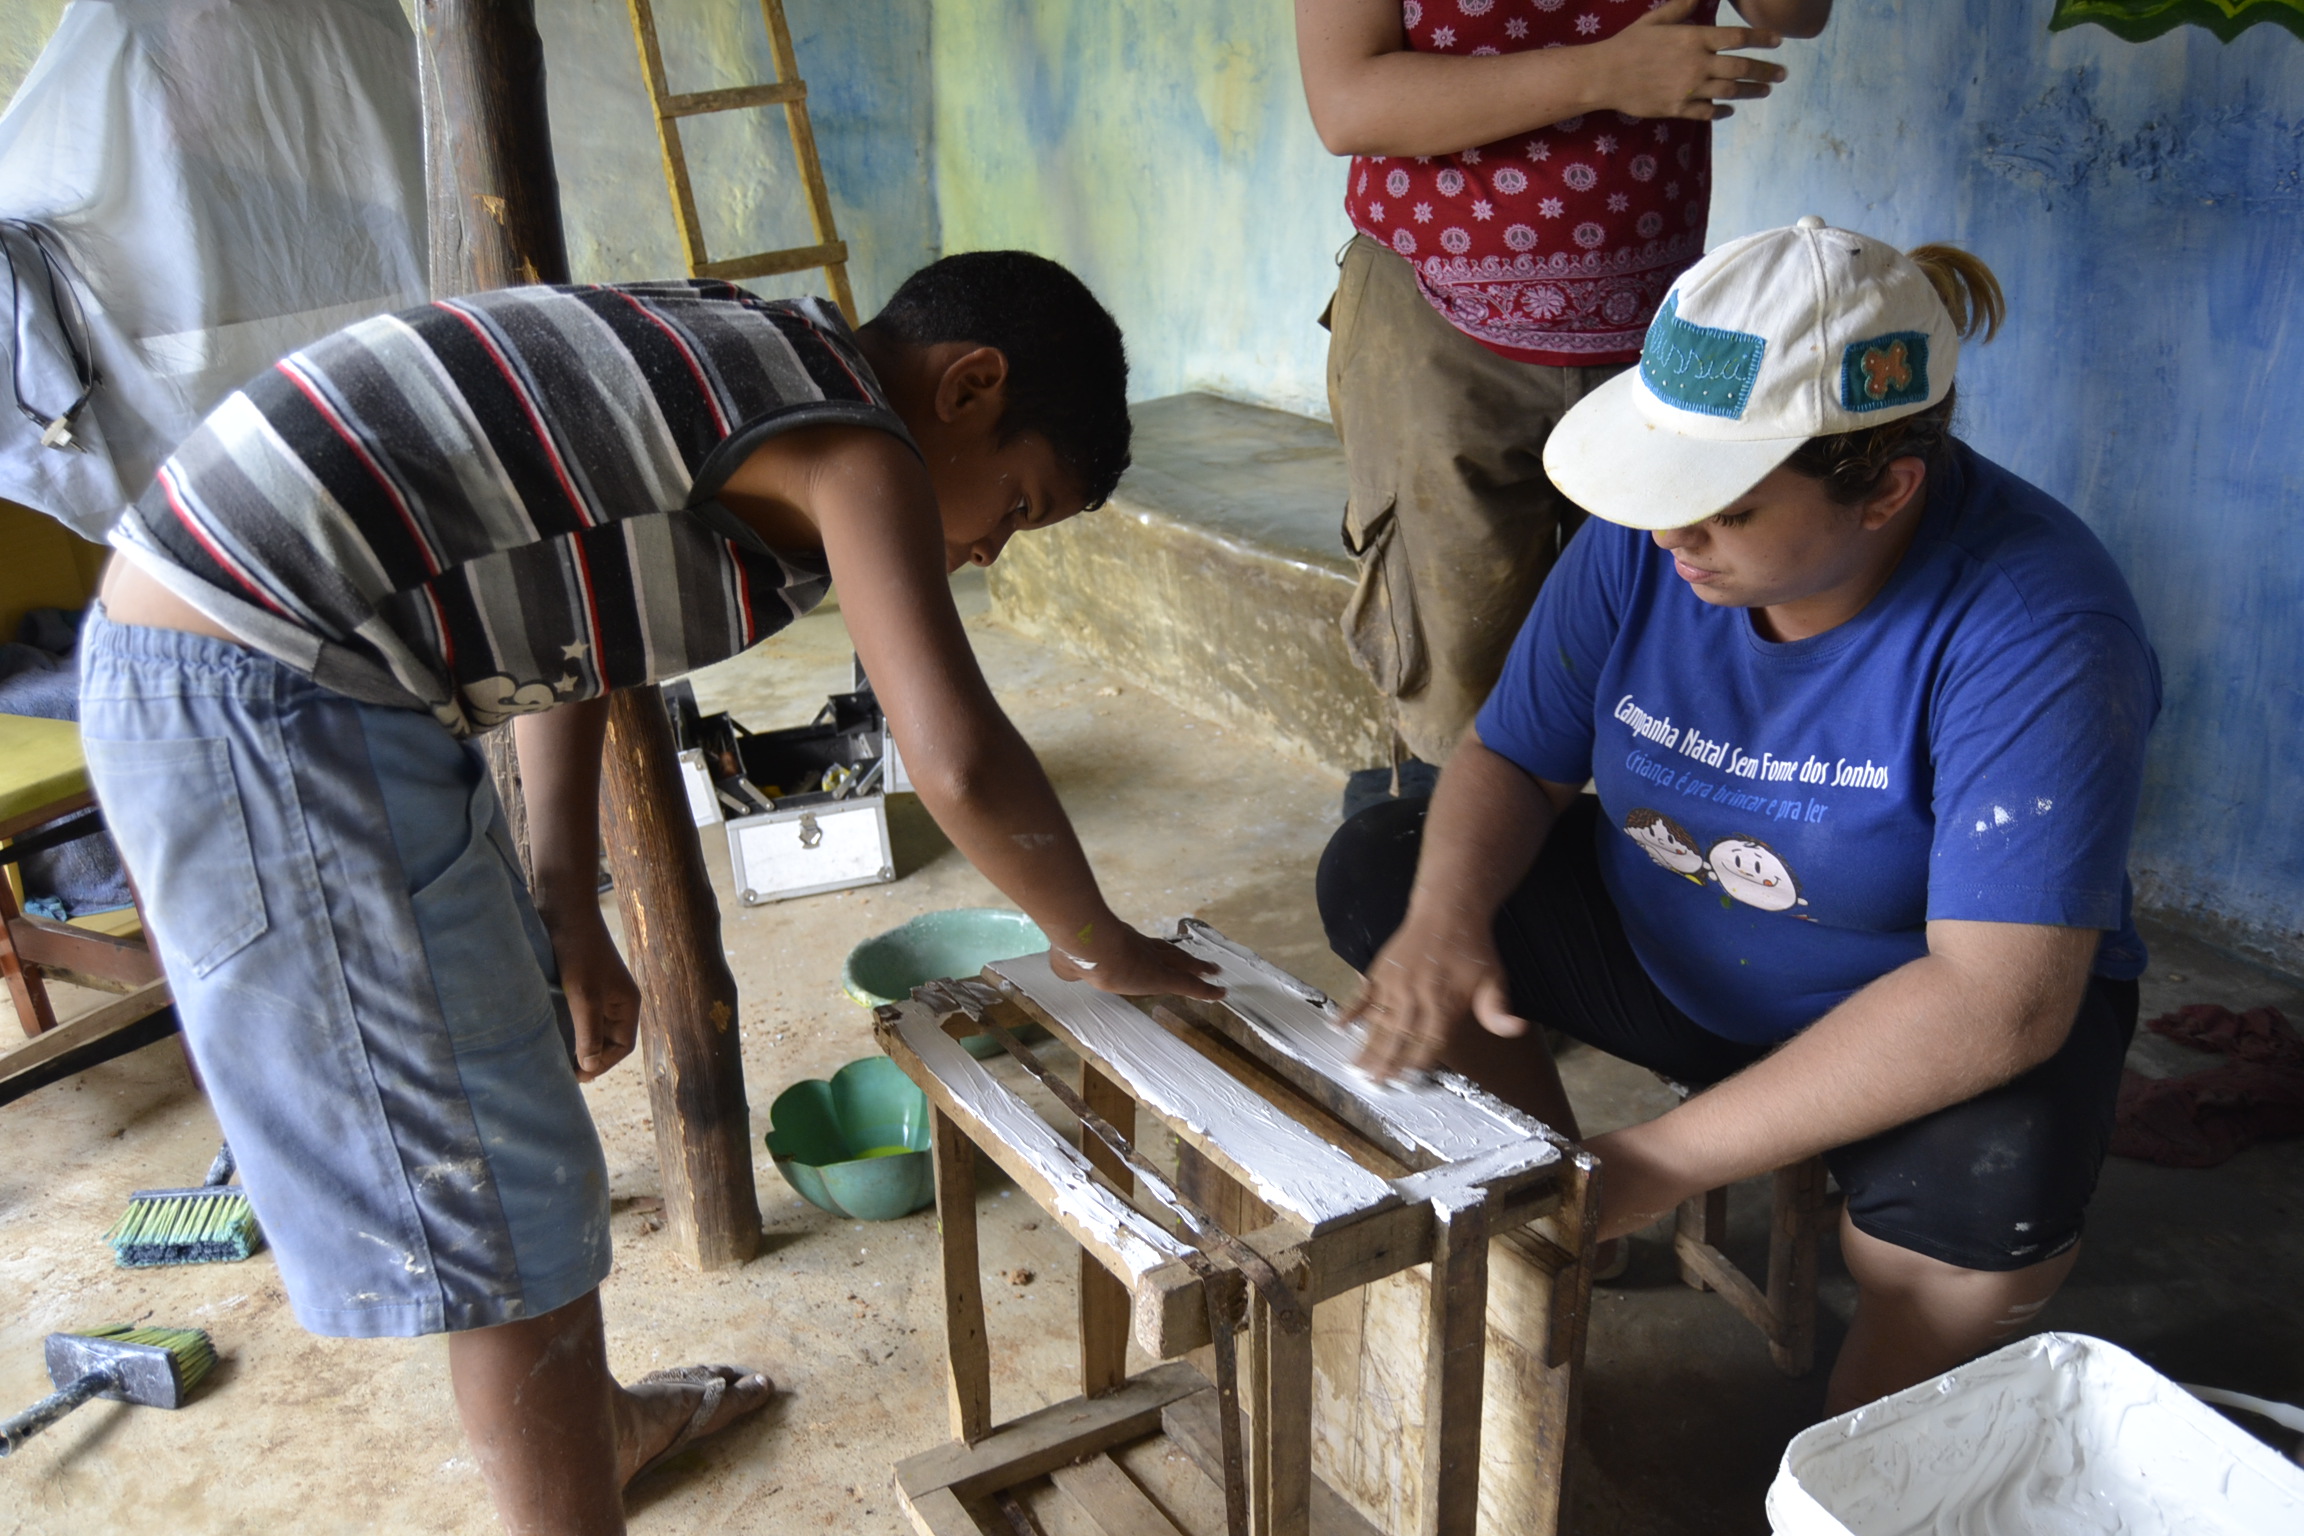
{"x":54,"y":1406}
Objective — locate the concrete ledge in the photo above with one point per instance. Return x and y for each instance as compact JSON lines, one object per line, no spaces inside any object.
{"x":1215,"y":578}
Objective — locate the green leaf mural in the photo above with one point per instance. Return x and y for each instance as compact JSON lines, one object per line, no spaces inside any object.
{"x":2137,"y":20}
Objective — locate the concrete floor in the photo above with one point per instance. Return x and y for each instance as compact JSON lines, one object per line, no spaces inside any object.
{"x":1685,"y":1420}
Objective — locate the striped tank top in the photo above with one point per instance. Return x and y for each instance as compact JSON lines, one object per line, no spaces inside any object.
{"x":502,"y":502}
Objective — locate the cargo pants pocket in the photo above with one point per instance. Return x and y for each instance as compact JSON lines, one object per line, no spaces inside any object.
{"x":1380,"y":621}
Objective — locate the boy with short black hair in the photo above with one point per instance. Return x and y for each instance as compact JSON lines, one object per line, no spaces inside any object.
{"x":499,"y":507}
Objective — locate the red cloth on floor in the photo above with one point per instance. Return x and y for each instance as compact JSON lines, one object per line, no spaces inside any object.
{"x":2202,"y":1118}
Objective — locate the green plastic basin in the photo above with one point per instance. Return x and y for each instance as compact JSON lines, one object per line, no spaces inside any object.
{"x":959,"y":941}
{"x":857,"y":1145}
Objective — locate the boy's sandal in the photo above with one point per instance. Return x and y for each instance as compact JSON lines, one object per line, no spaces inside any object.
{"x":716,"y":1380}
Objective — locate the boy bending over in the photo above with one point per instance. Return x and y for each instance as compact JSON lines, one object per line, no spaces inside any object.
{"x":502,"y":506}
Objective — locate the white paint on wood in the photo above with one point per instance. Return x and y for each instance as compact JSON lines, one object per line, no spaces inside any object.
{"x":1088,"y":1210}
{"x":1289,"y":1167}
{"x":1445,"y":1119}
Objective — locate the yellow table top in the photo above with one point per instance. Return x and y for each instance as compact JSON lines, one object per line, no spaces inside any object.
{"x":40,"y":764}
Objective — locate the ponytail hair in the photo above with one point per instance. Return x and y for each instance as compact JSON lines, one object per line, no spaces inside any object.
{"x":1852,"y":464}
{"x":1969,"y":290}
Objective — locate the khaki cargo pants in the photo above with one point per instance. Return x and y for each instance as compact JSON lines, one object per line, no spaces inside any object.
{"x":1451,"y":517}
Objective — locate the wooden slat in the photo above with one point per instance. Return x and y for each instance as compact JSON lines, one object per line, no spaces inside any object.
{"x":1703,"y":1219}
{"x":1292,"y":1029}
{"x":735,"y":98}
{"x":1192,"y":1427}
{"x":1052,"y":1172}
{"x":61,"y":945}
{"x":939,"y":1512}
{"x":968,"y":1357}
{"x":1171,"y":1315}
{"x":1039,"y":1443}
{"x":1278,"y":1092}
{"x":1716,"y":1270}
{"x":1109,"y":1499}
{"x":1286,"y":1166}
{"x":1104,"y":1301}
{"x":89,"y":1027}
{"x":774,"y":263}
{"x":46,"y":812}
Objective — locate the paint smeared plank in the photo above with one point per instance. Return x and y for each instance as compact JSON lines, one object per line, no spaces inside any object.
{"x":1006,"y":1129}
{"x":1292,"y":1028}
{"x":1287,"y":1167}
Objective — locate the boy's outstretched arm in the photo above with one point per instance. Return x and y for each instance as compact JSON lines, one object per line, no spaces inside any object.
{"x":875,"y":509}
{"x":560,"y":777}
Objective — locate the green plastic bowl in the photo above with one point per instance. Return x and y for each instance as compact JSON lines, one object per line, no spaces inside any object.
{"x":856,"y":1146}
{"x":957,"y":942}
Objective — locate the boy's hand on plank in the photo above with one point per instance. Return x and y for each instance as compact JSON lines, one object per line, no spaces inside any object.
{"x":602,"y":996}
{"x":1662,"y":66}
{"x":1113,"y":957}
{"x":1421,"y":987}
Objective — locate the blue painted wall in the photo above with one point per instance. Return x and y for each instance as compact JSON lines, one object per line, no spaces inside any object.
{"x":2144,"y":205}
{"x":1163,"y":152}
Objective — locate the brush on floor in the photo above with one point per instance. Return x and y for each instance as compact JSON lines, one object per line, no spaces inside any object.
{"x":150,"y":1367}
{"x":213,"y":1224}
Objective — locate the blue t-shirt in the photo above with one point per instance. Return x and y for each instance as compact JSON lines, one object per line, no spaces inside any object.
{"x":1781,"y":819}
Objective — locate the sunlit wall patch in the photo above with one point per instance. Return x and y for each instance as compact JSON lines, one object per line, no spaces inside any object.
{"x":1699,"y":368}
{"x":1885,"y":371}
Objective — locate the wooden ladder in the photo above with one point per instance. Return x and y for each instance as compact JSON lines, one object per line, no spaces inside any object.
{"x":790,"y":92}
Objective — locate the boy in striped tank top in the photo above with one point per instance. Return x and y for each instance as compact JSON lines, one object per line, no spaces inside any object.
{"x":502,"y":507}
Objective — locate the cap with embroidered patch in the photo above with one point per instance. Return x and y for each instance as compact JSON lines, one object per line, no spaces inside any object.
{"x":1767,"y":342}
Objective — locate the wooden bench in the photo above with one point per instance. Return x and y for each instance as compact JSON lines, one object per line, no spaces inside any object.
{"x":1361,"y":1183}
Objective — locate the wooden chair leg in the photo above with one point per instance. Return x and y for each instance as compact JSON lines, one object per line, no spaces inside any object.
{"x":966,"y":1351}
{"x":1794,"y":1232}
{"x":35,"y":1015}
{"x":1104,"y":1301}
{"x":1704,"y":1219}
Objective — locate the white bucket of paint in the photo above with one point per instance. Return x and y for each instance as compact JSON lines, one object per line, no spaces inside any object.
{"x":2056,"y":1435}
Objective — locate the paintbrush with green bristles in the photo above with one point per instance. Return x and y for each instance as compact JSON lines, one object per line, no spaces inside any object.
{"x":213,"y":1224}
{"x":150,"y":1367}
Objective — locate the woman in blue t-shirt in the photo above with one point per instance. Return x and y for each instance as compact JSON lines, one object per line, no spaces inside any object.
{"x":1865,"y":715}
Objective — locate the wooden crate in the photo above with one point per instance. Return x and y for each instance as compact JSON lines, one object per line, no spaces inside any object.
{"x":1356,"y":1195}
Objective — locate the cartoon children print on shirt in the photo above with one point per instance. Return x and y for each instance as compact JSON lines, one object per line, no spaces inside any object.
{"x":1667,"y":842}
{"x":1747,"y":869}
{"x":1755,"y":874}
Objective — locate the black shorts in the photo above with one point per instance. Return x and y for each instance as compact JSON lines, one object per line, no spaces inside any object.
{"x":2000,"y":1182}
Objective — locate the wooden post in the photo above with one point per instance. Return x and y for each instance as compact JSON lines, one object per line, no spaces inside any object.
{"x":688,"y":1033}
{"x":491,"y":197}
{"x":494,"y":207}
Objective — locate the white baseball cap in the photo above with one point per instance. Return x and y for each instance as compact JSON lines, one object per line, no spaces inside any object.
{"x":1767,"y":342}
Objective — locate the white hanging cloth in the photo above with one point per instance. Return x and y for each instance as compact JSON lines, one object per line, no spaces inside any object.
{"x":223,"y":181}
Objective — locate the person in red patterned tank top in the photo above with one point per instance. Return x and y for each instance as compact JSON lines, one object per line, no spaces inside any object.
{"x":1528,"y":177}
